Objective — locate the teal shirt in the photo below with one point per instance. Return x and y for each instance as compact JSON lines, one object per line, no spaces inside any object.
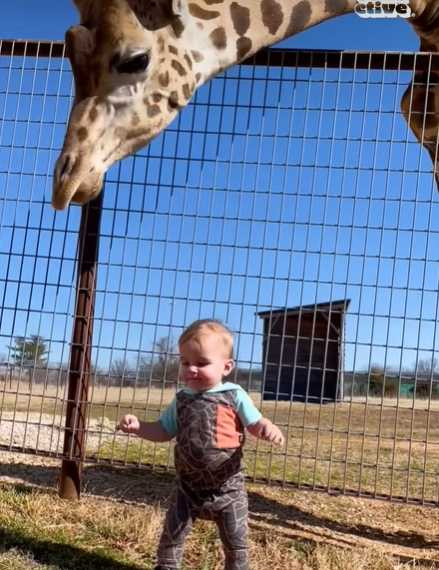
{"x":247,"y":411}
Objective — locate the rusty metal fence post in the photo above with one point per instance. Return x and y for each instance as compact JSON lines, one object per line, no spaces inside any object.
{"x":80,"y":353}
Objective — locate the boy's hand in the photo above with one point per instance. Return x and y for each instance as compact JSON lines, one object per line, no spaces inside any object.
{"x":268,"y":431}
{"x":129,"y":424}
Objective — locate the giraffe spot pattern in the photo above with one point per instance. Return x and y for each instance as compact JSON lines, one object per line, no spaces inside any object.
{"x":272,"y":15}
{"x":243,"y":46}
{"x":199,"y":12}
{"x":152,"y":110}
{"x":300,"y":17}
{"x":161,"y":44}
{"x":240,"y":18}
{"x":173,"y":102}
{"x":164,"y":79}
{"x":82,"y":134}
{"x":178,"y":68}
{"x":335,"y":6}
{"x":173,"y":50}
{"x":198,"y":56}
{"x":187,"y":91}
{"x":219,"y":38}
{"x":93,"y":114}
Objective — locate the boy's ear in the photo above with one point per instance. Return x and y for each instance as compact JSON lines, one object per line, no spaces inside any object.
{"x":229,"y":366}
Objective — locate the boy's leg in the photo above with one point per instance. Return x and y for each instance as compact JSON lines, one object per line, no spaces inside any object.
{"x":233,"y":528}
{"x":178,"y":523}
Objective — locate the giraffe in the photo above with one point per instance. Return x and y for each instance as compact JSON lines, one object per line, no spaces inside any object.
{"x":137,"y":63}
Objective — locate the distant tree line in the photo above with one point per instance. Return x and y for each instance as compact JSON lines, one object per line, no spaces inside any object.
{"x":29,"y":360}
{"x":421,"y":381}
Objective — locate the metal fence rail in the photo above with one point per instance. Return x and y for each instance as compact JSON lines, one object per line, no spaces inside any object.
{"x":290,"y":201}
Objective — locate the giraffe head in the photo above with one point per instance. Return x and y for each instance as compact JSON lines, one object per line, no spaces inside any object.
{"x":132,"y":75}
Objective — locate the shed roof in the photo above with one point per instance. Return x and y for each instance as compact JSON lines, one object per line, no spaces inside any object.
{"x":340,"y":305}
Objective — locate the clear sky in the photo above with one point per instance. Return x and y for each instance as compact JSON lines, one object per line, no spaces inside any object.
{"x":348,"y":238}
{"x":48,"y":19}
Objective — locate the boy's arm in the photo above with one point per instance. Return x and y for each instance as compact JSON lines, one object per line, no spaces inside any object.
{"x":255,"y":423}
{"x":267,"y":430}
{"x":153,"y":431}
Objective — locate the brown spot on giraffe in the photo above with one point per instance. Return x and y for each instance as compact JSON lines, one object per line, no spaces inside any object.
{"x":335,"y":6}
{"x":173,"y":102}
{"x":161,"y":44}
{"x":300,"y":16}
{"x":164,"y":78}
{"x":219,"y":38}
{"x":93,"y":114}
{"x":240,"y":18}
{"x":173,"y":50}
{"x":187,"y":91}
{"x":188,"y":60}
{"x":243,"y":46}
{"x":152,"y":110}
{"x":201,"y":13}
{"x":157,"y":97}
{"x":178,"y":68}
{"x":197,"y":55}
{"x":272,"y":15}
{"x":82,"y":134}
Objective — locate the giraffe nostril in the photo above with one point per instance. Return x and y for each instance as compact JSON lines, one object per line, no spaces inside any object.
{"x":64,"y":167}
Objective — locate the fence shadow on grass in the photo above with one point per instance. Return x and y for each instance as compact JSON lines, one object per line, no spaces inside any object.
{"x":141,"y":486}
{"x":63,"y":556}
{"x":294,"y":522}
{"x":128,"y":483}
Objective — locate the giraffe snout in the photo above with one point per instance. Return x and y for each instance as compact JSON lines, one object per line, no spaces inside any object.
{"x":75,"y":180}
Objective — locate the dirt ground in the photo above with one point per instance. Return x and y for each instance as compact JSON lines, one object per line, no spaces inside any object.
{"x":408,"y":532}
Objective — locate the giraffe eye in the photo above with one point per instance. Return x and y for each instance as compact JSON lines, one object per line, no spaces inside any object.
{"x":135,"y":64}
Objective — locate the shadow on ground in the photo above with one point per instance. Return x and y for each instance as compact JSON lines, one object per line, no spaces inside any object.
{"x":64,"y":556}
{"x":290,"y":521}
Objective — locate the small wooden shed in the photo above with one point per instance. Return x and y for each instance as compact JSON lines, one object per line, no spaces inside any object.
{"x":303,"y":355}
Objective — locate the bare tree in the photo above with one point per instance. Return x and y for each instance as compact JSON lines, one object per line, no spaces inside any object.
{"x":165,"y":360}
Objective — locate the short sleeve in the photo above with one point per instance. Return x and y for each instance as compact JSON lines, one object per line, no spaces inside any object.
{"x":247,"y":411}
{"x":168,"y":418}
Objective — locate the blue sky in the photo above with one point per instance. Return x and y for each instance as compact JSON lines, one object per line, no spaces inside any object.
{"x":48,"y":19}
{"x":327,"y":215}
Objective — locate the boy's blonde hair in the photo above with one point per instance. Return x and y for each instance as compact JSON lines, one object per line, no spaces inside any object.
{"x":209,"y":326}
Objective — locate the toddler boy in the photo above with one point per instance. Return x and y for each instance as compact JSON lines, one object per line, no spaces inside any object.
{"x":207,"y":417}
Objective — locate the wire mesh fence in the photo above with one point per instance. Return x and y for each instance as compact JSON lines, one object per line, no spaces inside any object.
{"x":289,"y":200}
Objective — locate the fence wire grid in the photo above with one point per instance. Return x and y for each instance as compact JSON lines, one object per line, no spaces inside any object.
{"x":291,"y":201}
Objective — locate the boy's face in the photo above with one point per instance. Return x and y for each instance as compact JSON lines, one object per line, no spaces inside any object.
{"x":204,"y":362}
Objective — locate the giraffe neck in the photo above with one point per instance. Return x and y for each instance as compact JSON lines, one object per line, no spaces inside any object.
{"x":226,"y":32}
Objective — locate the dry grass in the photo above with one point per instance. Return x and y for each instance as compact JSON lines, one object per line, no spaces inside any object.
{"x":383,"y":447}
{"x":289,"y":529}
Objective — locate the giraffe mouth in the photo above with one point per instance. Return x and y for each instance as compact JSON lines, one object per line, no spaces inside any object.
{"x":74,"y":182}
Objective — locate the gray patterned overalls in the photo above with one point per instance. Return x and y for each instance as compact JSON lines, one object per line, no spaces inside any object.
{"x":210,"y":484}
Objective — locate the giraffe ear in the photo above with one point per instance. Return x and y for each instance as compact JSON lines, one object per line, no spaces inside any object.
{"x":80,"y":44}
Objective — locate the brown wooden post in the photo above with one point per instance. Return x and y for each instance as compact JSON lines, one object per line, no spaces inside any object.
{"x":80,"y":353}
